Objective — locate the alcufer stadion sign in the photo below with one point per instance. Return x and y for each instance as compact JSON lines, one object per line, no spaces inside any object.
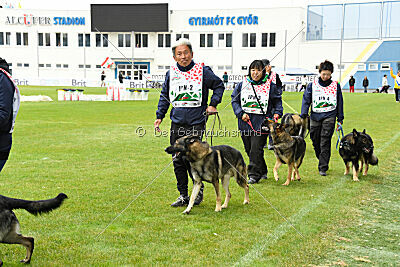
{"x":30,"y":20}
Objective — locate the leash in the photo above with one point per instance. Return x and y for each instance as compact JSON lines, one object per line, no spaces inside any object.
{"x":339,"y":133}
{"x":216,"y":115}
{"x":251,"y":126}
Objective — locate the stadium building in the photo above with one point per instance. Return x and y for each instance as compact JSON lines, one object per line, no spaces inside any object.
{"x":72,"y":48}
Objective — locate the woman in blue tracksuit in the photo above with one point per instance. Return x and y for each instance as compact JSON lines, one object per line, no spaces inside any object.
{"x":251,"y":116}
{"x":325,"y":98}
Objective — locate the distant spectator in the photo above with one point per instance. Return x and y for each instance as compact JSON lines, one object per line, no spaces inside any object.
{"x":102,"y":78}
{"x":385,"y":84}
{"x":365,"y":84}
{"x":121,"y":77}
{"x":303,"y":83}
{"x":396,"y":84}
{"x":225,"y":78}
{"x":352,"y":81}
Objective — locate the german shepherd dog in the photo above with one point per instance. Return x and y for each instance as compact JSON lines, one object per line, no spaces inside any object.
{"x":288,"y":150}
{"x":212,"y":164}
{"x":295,"y":125}
{"x":357,"y":147}
{"x":9,"y":225}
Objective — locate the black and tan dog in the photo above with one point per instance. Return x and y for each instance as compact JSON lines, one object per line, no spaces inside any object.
{"x":296,"y":125}
{"x":9,"y":225}
{"x":356,"y":148}
{"x":288,"y":150}
{"x":212,"y":164}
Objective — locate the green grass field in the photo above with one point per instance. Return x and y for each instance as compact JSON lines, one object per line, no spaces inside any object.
{"x":91,"y":152}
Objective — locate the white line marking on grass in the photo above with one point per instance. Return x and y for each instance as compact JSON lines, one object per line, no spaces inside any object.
{"x":257,"y":250}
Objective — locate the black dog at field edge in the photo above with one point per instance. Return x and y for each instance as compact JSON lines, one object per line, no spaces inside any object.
{"x":288,"y":149}
{"x":9,"y":225}
{"x":212,"y":164}
{"x":296,"y":125}
{"x":357,"y":147}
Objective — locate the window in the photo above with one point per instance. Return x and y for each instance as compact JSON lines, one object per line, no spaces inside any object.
{"x":65,"y":39}
{"x":168,"y":40}
{"x":324,"y":22}
{"x":220,"y":67}
{"x":340,"y":67}
{"x":47,"y":37}
{"x":373,"y":66}
{"x":65,"y":66}
{"x":128,"y":40}
{"x":225,"y":40}
{"x":58,"y":39}
{"x":178,"y":36}
{"x":25,"y":35}
{"x":160,"y":67}
{"x":48,"y":65}
{"x":1,"y":38}
{"x":120,"y":40}
{"x":105,"y":40}
{"x":264,"y":39}
{"x":202,"y":40}
{"x":161,"y":40}
{"x":88,"y":66}
{"x":81,"y":66}
{"x":362,"y":20}
{"x":87,"y":39}
{"x":18,"y":36}
{"x":80,"y":39}
{"x":58,"y":65}
{"x":228,"y":67}
{"x":26,"y":65}
{"x":210,"y":40}
{"x":8,"y":38}
{"x":272,"y":37}
{"x":361,"y":67}
{"x":98,"y":66}
{"x":40,"y":39}
{"x":141,"y":40}
{"x":252,"y":40}
{"x":229,"y":40}
{"x":98,"y":40}
{"x":245,"y":40}
{"x":41,"y":65}
{"x":385,"y":66}
{"x":19,"y":64}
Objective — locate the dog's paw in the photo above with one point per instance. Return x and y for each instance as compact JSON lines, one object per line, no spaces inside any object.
{"x":218,"y":209}
{"x":286,"y":183}
{"x":355,"y":179}
{"x":224,"y":206}
{"x":346,"y":172}
{"x":186,"y":211}
{"x":25,"y":261}
{"x":276,"y":178}
{"x":245,"y":202}
{"x":365,"y":173}
{"x":298,"y":179}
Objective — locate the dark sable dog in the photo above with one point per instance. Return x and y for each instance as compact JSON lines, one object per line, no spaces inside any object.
{"x":212,"y":164}
{"x":295,"y":125}
{"x":9,"y":225}
{"x":288,"y":149}
{"x":357,"y":147}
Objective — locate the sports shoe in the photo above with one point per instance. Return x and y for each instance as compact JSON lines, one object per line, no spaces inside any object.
{"x":322,"y":173}
{"x":264,"y":176}
{"x":252,"y":180}
{"x":181,"y":201}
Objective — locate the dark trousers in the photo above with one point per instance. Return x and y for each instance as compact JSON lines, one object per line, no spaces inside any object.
{"x":365,"y":89}
{"x":397,"y":94}
{"x":321,"y":134}
{"x":384,"y":89}
{"x":254,"y":146}
{"x":182,"y":166}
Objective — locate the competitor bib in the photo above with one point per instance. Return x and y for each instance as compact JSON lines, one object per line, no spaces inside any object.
{"x":324,"y":98}
{"x":185,"y":88}
{"x":16,"y":99}
{"x":248,"y":99}
{"x":273,"y":77}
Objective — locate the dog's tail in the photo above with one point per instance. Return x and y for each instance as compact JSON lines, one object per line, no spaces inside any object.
{"x":35,"y":207}
{"x":373,"y":160}
{"x":242,"y":173}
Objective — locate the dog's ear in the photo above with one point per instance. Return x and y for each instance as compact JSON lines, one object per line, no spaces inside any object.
{"x":355,"y":133}
{"x":364,"y":131}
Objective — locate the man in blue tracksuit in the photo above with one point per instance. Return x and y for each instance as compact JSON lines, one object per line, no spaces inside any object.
{"x":9,"y":105}
{"x":325,"y":98}
{"x":251,"y":116}
{"x":186,"y":88}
